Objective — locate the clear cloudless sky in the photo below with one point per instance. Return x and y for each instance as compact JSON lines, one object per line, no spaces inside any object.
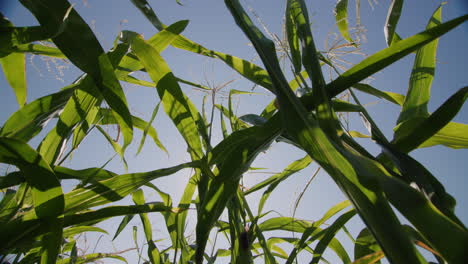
{"x":212,"y":26}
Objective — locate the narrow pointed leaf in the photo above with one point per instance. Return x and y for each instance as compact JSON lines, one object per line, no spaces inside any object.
{"x":96,"y":63}
{"x":175,"y":103}
{"x":434,"y":123}
{"x":389,"y":96}
{"x":393,"y":15}
{"x":341,"y":16}
{"x":419,"y":89}
{"x":330,"y":233}
{"x":233,"y":157}
{"x":29,"y":120}
{"x":339,"y":163}
{"x":115,"y":188}
{"x":153,"y":252}
{"x":385,"y":57}
{"x":46,"y":190}
{"x":14,"y":68}
{"x":365,"y":245}
{"x":125,"y":220}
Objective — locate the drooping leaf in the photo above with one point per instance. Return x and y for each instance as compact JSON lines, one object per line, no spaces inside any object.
{"x":330,"y":233}
{"x":232,"y":157}
{"x":247,"y":69}
{"x":339,"y":163}
{"x":453,"y":135}
{"x":315,"y":232}
{"x":14,"y":68}
{"x":426,"y":129}
{"x":69,"y":232}
{"x":105,"y":117}
{"x":29,"y":120}
{"x":46,"y":189}
{"x":393,"y":15}
{"x":89,"y":258}
{"x":39,"y":49}
{"x":365,"y":245}
{"x":293,"y":40}
{"x":115,"y":188}
{"x":153,"y":252}
{"x":341,"y":16}
{"x":96,"y":63}
{"x":125,"y":220}
{"x":389,"y":96}
{"x":175,"y":103}
{"x":419,"y":90}
{"x":383,"y":58}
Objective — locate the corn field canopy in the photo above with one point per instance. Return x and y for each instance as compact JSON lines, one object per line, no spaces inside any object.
{"x":233,"y":131}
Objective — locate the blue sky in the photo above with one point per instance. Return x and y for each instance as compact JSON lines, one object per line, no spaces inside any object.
{"x":212,"y":26}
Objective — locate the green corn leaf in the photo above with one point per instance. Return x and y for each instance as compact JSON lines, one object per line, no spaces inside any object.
{"x":84,"y":127}
{"x":102,"y":214}
{"x":419,"y":89}
{"x":389,"y":96}
{"x":83,"y":99}
{"x":116,"y":146}
{"x":366,"y":245}
{"x":39,"y":49}
{"x":292,"y":168}
{"x":249,"y":235}
{"x":446,"y":236}
{"x":181,"y":216}
{"x":372,"y":258}
{"x":233,"y":157}
{"x":30,"y":119}
{"x":105,"y":117}
{"x":46,"y":190}
{"x":115,"y":188}
{"x":11,"y":202}
{"x":94,"y":257}
{"x":453,"y":135}
{"x":72,"y":231}
{"x":12,"y":36}
{"x":393,"y":15}
{"x":383,"y":58}
{"x":153,"y":252}
{"x":285,"y":223}
{"x":159,"y":41}
{"x":51,"y":241}
{"x":77,"y":115}
{"x":314,"y":232}
{"x":240,"y":242}
{"x":273,"y":181}
{"x":223,"y":125}
{"x":14,"y":68}
{"x":232,"y":117}
{"x":341,"y":16}
{"x":194,"y":84}
{"x":175,"y":103}
{"x":96,"y":63}
{"x":424,"y":180}
{"x":62,"y":173}
{"x":153,"y":133}
{"x":368,"y":199}
{"x":125,"y":220}
{"x":25,"y":231}
{"x":330,"y":233}
{"x":74,"y":253}
{"x":426,"y":129}
{"x":225,"y":111}
{"x":293,"y":39}
{"x":247,"y":69}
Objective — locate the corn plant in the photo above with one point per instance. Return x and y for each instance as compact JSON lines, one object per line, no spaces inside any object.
{"x":38,"y":221}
